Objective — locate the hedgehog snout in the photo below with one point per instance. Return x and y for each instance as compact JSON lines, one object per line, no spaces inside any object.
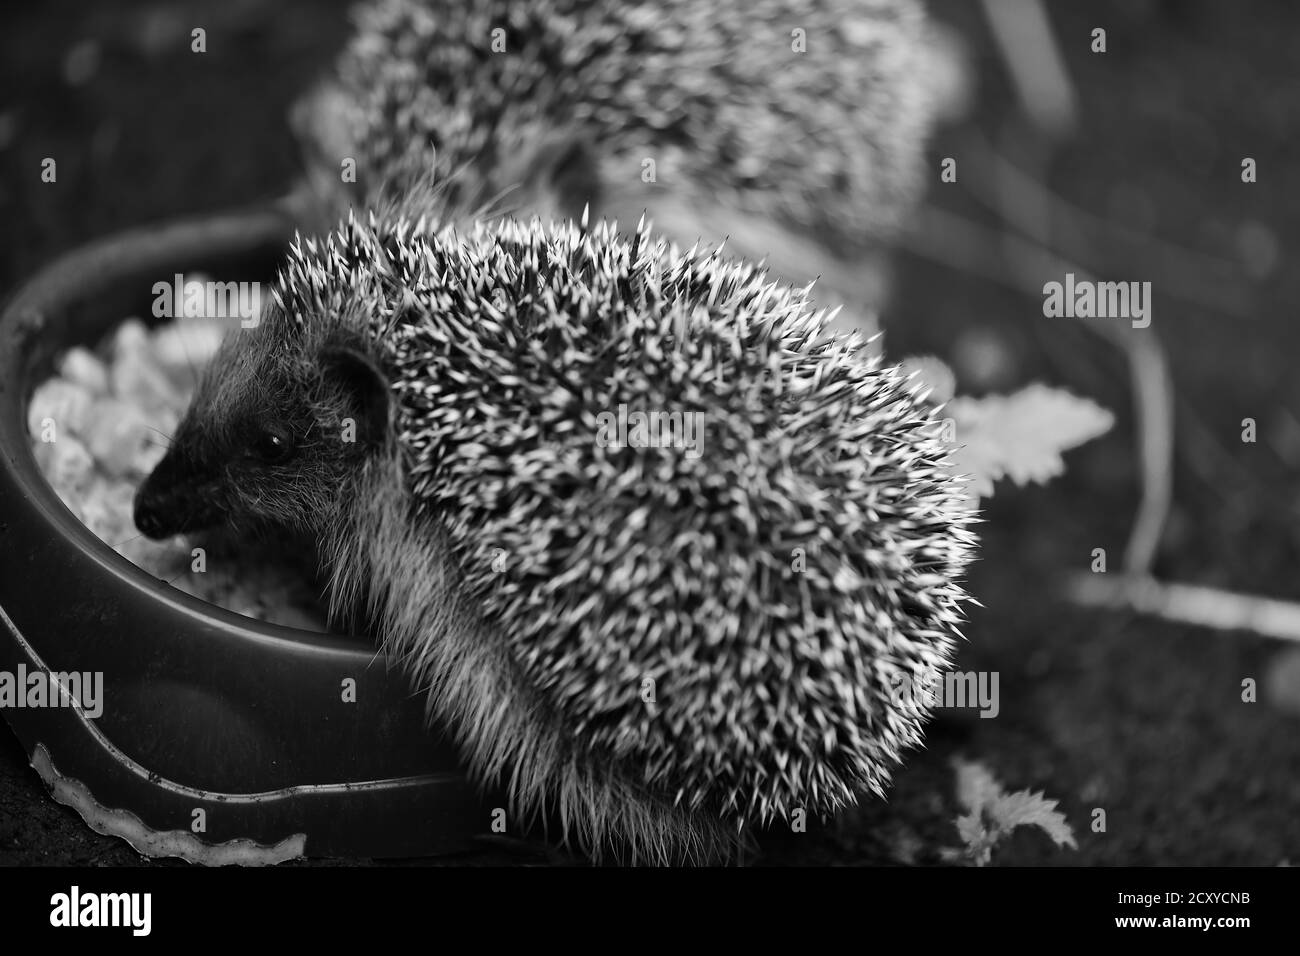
{"x":172,"y":500}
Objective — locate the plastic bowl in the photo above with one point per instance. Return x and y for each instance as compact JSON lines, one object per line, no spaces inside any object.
{"x":221,"y":738}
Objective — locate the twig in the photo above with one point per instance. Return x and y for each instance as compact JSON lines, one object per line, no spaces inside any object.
{"x":1153,"y":399}
{"x":1189,"y":604}
{"x":962,"y":243}
{"x":1209,"y":282}
{"x":1024,"y":38}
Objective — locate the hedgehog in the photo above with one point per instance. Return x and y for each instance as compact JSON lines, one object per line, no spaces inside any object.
{"x":793,"y":128}
{"x":662,"y":640}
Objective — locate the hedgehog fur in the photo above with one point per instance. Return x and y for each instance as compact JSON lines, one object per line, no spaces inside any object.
{"x":657,"y":648}
{"x":809,"y":114}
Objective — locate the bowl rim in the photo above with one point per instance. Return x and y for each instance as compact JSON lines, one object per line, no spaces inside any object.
{"x":77,"y":275}
{"x":216,"y":703}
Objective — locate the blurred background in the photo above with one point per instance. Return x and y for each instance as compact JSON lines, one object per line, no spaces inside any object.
{"x":1126,"y":164}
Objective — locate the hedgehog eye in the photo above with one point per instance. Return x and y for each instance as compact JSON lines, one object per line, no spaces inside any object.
{"x":272,"y":445}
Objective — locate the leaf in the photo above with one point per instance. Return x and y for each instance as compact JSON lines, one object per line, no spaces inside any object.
{"x":992,"y":814}
{"x":1021,"y":436}
{"x":1024,"y":808}
{"x":971,"y":829}
{"x":934,"y":374}
{"x":976,"y":785}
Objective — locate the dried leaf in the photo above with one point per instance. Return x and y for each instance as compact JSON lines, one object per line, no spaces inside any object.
{"x":1021,"y":436}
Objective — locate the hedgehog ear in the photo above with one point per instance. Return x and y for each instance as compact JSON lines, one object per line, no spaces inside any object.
{"x":364,"y":386}
{"x":558,"y":179}
{"x":572,"y":179}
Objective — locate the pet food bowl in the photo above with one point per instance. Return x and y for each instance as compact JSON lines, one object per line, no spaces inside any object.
{"x":221,"y":738}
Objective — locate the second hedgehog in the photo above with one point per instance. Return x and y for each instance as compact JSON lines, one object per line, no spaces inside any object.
{"x":657,"y":640}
